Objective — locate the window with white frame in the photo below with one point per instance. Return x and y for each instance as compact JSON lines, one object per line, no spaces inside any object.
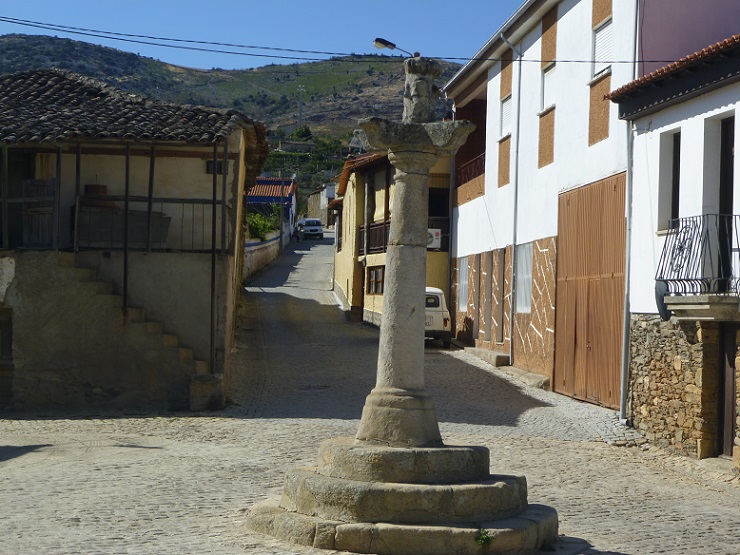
{"x":523,"y":291}
{"x":603,"y":47}
{"x":462,"y":285}
{"x":548,"y":87}
{"x":506,"y":116}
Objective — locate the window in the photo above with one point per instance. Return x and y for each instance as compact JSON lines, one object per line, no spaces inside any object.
{"x":375,"y":280}
{"x":523,"y":294}
{"x":602,"y":47}
{"x":506,"y":116}
{"x":548,"y":88}
{"x":462,"y":285}
{"x":675,"y":174}
{"x":669,"y":179}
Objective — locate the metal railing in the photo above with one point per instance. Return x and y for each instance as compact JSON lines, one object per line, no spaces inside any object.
{"x":701,"y":255}
{"x":379,"y":232}
{"x":470,"y":170}
{"x":165,"y":224}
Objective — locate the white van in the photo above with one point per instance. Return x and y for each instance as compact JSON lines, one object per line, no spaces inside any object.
{"x":437,"y":322}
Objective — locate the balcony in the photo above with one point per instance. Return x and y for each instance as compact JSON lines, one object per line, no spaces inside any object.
{"x":379,"y":232}
{"x":699,"y":268}
{"x":470,"y":170}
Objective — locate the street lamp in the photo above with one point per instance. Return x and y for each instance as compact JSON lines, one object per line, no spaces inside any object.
{"x":382,"y":43}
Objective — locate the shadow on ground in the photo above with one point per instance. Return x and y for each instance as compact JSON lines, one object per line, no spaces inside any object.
{"x":8,"y":452}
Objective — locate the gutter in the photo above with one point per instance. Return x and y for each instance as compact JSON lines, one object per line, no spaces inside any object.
{"x":515,"y":185}
{"x":489,"y":48}
{"x":625,"y":386}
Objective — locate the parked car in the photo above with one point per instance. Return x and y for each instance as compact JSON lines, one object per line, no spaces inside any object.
{"x":311,"y":227}
{"x":437,"y":322}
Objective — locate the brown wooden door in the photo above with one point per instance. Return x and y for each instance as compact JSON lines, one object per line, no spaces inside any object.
{"x":590,"y":291}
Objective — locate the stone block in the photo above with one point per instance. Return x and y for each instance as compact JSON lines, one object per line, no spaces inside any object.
{"x":705,"y":448}
{"x":352,"y":501}
{"x":346,"y":458}
{"x":206,"y":392}
{"x":736,"y":456}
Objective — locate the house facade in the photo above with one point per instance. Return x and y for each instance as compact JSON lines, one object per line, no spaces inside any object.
{"x":539,"y":228}
{"x":121,"y":244}
{"x":364,"y":208}
{"x":269,"y":193}
{"x":318,"y":204}
{"x":683,"y":278}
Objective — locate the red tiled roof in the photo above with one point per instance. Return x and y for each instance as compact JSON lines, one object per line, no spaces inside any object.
{"x":270,"y":190}
{"x":676,"y":66}
{"x":273,"y":187}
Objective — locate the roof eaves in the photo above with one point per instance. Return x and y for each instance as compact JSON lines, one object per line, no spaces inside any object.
{"x":484,"y":59}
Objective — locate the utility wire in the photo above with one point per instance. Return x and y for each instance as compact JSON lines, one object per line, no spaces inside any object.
{"x":342,"y":56}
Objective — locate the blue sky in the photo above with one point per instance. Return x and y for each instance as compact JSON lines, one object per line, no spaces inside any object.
{"x":428,"y":26}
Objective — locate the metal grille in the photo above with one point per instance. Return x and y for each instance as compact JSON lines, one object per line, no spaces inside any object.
{"x":701,"y":255}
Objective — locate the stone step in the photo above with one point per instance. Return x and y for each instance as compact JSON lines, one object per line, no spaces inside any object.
{"x":137,"y":315}
{"x":66,"y":259}
{"x":310,"y":493}
{"x":524,"y":534}
{"x":170,"y":340}
{"x":185,"y":353}
{"x":99,"y":287}
{"x":346,"y":458}
{"x":115,"y":301}
{"x":202,"y":367}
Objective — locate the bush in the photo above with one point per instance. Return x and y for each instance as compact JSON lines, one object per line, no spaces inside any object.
{"x":260,"y":225}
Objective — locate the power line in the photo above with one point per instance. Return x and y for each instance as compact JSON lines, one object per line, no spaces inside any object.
{"x":182,"y":44}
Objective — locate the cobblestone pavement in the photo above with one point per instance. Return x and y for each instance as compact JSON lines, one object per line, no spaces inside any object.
{"x":175,"y":484}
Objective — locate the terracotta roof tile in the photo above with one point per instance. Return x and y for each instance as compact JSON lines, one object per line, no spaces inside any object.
{"x":276,"y":187}
{"x":55,"y":105}
{"x":683,"y":63}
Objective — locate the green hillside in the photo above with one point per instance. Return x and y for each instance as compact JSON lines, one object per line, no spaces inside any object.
{"x":337,"y":92}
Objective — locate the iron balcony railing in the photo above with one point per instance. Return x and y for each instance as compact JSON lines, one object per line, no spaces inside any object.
{"x":701,"y":255}
{"x":377,"y":241}
{"x":470,"y":170}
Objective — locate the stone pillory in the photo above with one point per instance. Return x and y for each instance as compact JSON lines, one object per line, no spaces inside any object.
{"x":396,"y":488}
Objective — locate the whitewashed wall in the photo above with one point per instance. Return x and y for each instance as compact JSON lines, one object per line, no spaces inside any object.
{"x":487,"y":222}
{"x":698,"y":121}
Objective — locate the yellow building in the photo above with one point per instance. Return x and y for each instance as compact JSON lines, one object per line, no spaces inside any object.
{"x":364,"y":207}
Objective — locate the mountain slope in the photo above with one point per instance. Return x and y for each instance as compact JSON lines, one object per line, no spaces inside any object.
{"x":337,"y":91}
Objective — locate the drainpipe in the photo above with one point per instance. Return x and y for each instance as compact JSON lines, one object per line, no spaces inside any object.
{"x":624,"y":393}
{"x":515,"y":184}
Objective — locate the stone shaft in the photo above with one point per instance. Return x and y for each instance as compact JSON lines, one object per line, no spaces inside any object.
{"x":398,"y":411}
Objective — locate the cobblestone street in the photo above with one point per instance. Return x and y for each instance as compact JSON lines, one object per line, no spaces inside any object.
{"x":176,"y":484}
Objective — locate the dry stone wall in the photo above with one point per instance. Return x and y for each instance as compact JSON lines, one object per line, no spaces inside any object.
{"x":674,"y":377}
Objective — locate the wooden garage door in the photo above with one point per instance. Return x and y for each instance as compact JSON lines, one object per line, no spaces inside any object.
{"x":590,"y":292}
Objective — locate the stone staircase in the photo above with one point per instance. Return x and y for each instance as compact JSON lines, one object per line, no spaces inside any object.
{"x":105,"y":355}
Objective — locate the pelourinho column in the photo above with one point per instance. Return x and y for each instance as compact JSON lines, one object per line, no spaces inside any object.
{"x":398,"y":411}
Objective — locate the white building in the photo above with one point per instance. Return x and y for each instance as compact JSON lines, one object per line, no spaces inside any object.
{"x":685,"y":246}
{"x":539,"y":227}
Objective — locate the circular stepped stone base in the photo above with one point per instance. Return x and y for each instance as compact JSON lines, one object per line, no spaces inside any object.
{"x":523,"y":534}
{"x":367,"y":498}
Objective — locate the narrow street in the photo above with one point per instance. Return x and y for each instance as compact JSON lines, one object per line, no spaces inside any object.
{"x":175,"y":484}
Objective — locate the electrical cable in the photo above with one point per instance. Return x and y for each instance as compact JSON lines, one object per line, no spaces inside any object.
{"x":340,"y":56}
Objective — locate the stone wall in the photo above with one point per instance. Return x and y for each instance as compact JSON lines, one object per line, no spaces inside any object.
{"x":674,"y":375}
{"x":258,"y":254}
{"x":666,"y":361}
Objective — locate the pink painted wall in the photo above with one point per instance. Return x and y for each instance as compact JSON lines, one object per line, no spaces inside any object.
{"x":672,"y":29}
